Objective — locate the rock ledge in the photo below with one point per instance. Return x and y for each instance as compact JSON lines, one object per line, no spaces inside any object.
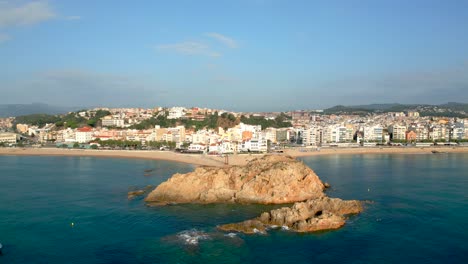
{"x":313,"y":215}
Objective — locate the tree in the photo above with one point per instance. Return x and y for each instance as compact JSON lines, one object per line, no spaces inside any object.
{"x":76,"y":145}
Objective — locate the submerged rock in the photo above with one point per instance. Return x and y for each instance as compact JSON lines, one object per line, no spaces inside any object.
{"x":270,"y":179}
{"x":312,"y":215}
{"x":132,"y":194}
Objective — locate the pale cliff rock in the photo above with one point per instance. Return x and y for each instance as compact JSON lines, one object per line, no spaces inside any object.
{"x":270,"y":179}
{"x":312,"y":215}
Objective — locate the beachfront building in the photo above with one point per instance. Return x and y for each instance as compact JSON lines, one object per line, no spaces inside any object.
{"x":83,"y":135}
{"x":283,"y":135}
{"x":373,"y":133}
{"x":411,"y":136}
{"x":438,"y":132}
{"x":422,"y":133}
{"x":270,"y":134}
{"x":214,"y":148}
{"x":310,"y":136}
{"x":8,"y":138}
{"x":339,"y":133}
{"x":197,"y":147}
{"x":458,"y":131}
{"x":227,"y":147}
{"x":254,"y":145}
{"x":397,"y":132}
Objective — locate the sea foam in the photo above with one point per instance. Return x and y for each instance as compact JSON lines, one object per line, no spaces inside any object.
{"x":192,"y":236}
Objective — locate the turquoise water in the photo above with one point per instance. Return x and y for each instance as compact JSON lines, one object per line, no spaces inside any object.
{"x":418,"y":215}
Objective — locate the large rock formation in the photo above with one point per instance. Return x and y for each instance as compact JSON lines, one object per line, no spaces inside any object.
{"x":313,"y":215}
{"x":270,"y":179}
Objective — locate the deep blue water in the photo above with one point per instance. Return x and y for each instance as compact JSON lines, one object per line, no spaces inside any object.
{"x":419,"y":214}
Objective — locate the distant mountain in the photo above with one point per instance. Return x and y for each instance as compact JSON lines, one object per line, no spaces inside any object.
{"x":13,"y":110}
{"x":378,"y":106}
{"x":450,"y":109}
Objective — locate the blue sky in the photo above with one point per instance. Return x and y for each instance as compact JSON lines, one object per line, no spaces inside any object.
{"x":240,"y":55}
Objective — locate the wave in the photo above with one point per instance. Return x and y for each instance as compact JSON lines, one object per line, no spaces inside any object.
{"x":192,"y":236}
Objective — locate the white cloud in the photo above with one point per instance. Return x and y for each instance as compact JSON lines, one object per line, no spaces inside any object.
{"x":26,"y":14}
{"x":4,"y":38}
{"x":189,"y":48}
{"x":229,"y":42}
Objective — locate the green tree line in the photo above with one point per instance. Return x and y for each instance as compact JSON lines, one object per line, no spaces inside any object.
{"x":72,"y":120}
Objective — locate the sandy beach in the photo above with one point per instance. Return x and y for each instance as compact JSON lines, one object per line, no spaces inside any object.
{"x":194,"y":159}
{"x":208,"y":160}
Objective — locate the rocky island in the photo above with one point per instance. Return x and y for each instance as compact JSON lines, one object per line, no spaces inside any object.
{"x":271,"y":179}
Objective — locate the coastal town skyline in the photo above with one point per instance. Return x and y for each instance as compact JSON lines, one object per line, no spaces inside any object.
{"x":216,"y":131}
{"x":239,"y":55}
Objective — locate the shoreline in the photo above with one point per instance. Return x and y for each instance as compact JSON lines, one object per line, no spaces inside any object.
{"x":208,"y":160}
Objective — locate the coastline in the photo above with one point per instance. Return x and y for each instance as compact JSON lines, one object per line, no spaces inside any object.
{"x":208,"y":160}
{"x":377,"y":150}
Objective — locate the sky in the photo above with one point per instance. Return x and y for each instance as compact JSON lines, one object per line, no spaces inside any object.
{"x":252,"y":55}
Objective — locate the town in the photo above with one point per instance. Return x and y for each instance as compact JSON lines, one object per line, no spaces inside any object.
{"x":202,"y":130}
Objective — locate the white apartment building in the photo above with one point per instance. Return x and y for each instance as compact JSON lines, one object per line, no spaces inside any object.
{"x":199,"y":138}
{"x":197,"y":147}
{"x":311,"y":136}
{"x":214,"y":148}
{"x":438,"y":132}
{"x":458,"y":131}
{"x":227,"y":147}
{"x":176,"y":112}
{"x":83,"y":135}
{"x":254,"y":145}
{"x":373,"y":133}
{"x":252,"y":128}
{"x":422,"y":133}
{"x":112,"y":122}
{"x":398,"y":132}
{"x":339,"y":134}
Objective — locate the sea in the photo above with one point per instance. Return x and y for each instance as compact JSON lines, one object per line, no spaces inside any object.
{"x":76,"y":210}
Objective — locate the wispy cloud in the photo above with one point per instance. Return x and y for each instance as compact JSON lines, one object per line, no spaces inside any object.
{"x":27,"y":14}
{"x":189,"y":48}
{"x":229,"y":42}
{"x":4,"y":38}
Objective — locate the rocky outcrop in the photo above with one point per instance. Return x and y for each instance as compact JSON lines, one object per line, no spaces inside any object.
{"x":313,"y":215}
{"x":271,"y":179}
